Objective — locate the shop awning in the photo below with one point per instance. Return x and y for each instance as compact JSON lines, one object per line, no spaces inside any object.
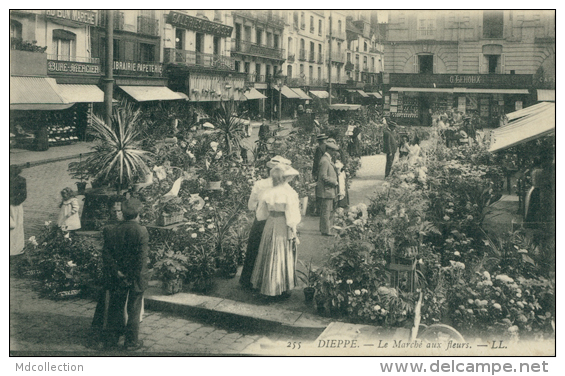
{"x":320,"y":94}
{"x":546,"y":95}
{"x":525,"y":129}
{"x":81,"y":93}
{"x":36,"y":93}
{"x":529,"y":111}
{"x":490,"y":91}
{"x":424,"y":89}
{"x":363,"y":93}
{"x":301,"y":93}
{"x":345,"y":107}
{"x":288,"y":93}
{"x":151,"y":93}
{"x":376,"y":95}
{"x":253,"y":94}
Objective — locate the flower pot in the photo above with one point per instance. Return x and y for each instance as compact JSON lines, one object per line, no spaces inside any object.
{"x":309,"y":294}
{"x":81,"y":187}
{"x":214,"y":185}
{"x":172,"y":286}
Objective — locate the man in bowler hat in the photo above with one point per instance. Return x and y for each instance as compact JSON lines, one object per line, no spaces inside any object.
{"x":389,"y":145}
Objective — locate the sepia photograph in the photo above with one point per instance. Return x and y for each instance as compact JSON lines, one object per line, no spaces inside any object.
{"x":282,"y":183}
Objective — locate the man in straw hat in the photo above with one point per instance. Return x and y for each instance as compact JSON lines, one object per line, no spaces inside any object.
{"x":125,"y":254}
{"x":326,"y":188}
{"x":257,"y":228}
{"x":320,"y":150}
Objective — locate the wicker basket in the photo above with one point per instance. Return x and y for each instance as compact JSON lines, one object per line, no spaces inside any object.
{"x":166,"y":219}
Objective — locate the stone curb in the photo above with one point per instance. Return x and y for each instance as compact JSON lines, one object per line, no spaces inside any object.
{"x":52,"y":160}
{"x":236,"y":313}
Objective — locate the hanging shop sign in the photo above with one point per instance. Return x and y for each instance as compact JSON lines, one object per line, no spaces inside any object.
{"x":54,"y":66}
{"x":72,"y":17}
{"x":184,"y":21}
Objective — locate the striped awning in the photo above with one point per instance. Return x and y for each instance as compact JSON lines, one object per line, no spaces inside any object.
{"x":288,"y":93}
{"x":81,"y":93}
{"x":490,"y":91}
{"x":423,"y":89}
{"x":36,"y":93}
{"x":320,"y":94}
{"x":301,"y":93}
{"x":537,"y":124}
{"x":151,"y":93}
{"x":376,"y":95}
{"x":253,"y":94}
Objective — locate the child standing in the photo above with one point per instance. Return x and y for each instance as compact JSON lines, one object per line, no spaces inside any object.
{"x":68,"y":216}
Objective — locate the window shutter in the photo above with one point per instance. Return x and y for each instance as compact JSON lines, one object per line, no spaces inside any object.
{"x":502,"y":67}
{"x":436,"y":66}
{"x":415,"y":63}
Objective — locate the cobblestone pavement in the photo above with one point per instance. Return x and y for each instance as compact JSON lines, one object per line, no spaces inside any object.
{"x":44,"y":184}
{"x":46,"y":327}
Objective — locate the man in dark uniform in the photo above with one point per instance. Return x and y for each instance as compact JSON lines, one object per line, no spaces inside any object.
{"x":125,"y":257}
{"x":389,"y":145}
{"x":320,"y":150}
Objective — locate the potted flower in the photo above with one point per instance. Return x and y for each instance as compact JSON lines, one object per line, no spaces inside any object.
{"x":308,"y":277}
{"x":171,"y":270}
{"x":171,"y":212}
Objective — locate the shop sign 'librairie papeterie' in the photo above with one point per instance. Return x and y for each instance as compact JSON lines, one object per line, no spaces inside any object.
{"x":84,"y":17}
{"x":185,"y":21}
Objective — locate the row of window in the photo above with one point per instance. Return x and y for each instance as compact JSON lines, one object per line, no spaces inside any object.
{"x":244,"y":33}
{"x":302,"y":23}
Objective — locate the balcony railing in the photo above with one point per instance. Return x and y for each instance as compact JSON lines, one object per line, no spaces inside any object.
{"x":76,"y":59}
{"x":374,"y":50}
{"x":290,"y":58}
{"x":426,"y":33}
{"x":261,"y":16}
{"x":118,"y":19}
{"x":312,"y":56}
{"x":302,"y":55}
{"x":252,"y":77}
{"x":147,"y":26}
{"x":338,"y":57}
{"x":349,"y":66}
{"x":320,"y":59}
{"x":193,"y":58}
{"x":317,"y":82}
{"x":245,"y":47}
{"x":357,"y":66}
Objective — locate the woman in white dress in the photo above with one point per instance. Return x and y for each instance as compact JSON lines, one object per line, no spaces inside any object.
{"x":274,"y":270}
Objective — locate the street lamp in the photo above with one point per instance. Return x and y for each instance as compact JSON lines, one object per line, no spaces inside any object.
{"x":280,"y":82}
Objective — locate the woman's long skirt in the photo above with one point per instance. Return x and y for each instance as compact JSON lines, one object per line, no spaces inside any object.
{"x":274,"y":271}
{"x":17,"y":241}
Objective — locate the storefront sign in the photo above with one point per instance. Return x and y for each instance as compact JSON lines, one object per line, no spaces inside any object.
{"x":54,"y":66}
{"x":130,"y":66}
{"x":498,"y":81}
{"x":185,"y":21}
{"x":84,"y":17}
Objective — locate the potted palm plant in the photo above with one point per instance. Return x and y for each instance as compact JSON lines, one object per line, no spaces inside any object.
{"x":171,"y":269}
{"x":117,"y":159}
{"x":308,"y":277}
{"x":231,"y":128}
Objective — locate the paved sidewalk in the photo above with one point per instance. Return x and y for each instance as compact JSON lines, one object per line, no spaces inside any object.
{"x":46,"y":327}
{"x":28,"y":158}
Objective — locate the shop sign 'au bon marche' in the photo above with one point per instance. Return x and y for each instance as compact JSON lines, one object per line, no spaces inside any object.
{"x":72,"y":17}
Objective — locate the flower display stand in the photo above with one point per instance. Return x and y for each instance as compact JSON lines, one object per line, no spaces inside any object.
{"x":401,"y":267}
